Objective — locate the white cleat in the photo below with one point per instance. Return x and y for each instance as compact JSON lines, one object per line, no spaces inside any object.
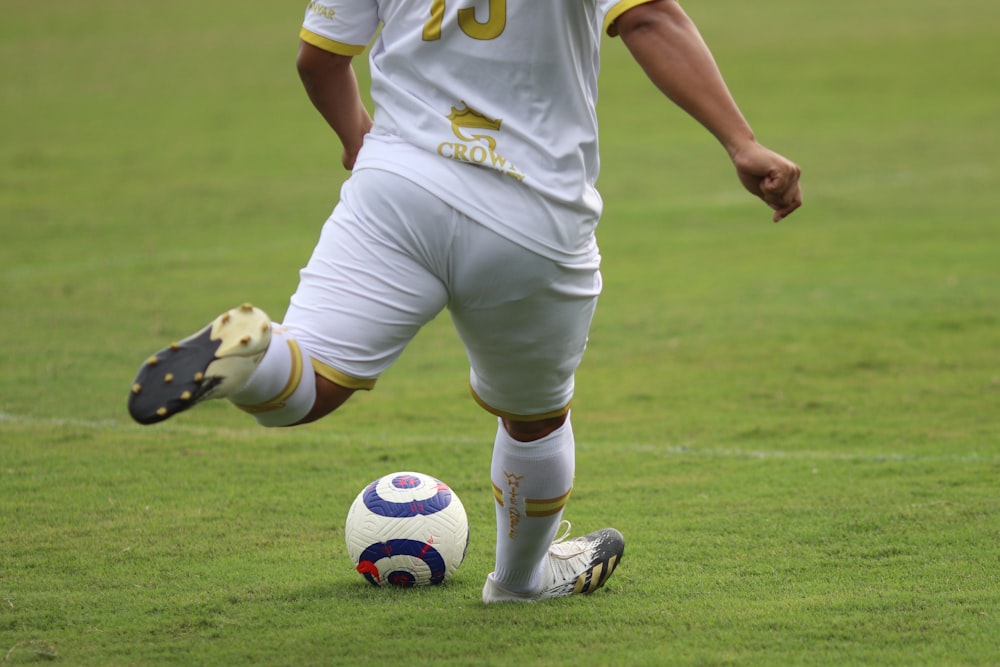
{"x":572,"y":567}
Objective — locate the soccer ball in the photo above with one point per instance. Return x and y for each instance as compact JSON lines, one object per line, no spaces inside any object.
{"x":407,"y":529}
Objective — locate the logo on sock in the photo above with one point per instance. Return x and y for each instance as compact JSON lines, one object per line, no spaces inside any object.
{"x":513,"y":498}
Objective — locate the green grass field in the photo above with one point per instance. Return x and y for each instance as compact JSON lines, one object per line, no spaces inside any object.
{"x":796,"y":426}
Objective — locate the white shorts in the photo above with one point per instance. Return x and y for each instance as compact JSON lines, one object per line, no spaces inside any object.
{"x":392,"y":256}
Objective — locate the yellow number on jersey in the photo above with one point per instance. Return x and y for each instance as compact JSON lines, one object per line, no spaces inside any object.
{"x":491,"y":29}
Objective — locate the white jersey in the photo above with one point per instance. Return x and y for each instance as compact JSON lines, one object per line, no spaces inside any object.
{"x":489,"y":104}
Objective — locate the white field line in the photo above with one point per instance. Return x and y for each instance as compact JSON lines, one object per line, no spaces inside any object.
{"x":651,"y":449}
{"x":809,"y":455}
{"x":252,"y":432}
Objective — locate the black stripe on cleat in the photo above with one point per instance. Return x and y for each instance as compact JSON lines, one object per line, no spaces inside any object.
{"x":608,"y":551}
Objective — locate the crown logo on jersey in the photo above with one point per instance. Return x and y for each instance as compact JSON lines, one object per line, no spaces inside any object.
{"x":473,"y":120}
{"x":475,"y":146}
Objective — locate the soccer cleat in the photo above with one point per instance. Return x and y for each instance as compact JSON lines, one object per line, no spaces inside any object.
{"x":212,"y":363}
{"x":572,"y":567}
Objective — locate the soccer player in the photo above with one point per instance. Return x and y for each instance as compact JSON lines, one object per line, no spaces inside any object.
{"x":472,"y":189}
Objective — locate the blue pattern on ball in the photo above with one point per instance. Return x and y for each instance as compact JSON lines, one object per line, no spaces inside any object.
{"x":426,"y":506}
{"x":406,"y":481}
{"x":380,"y":550}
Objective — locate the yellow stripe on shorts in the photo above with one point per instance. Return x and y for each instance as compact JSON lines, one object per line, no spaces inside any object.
{"x":344,"y":380}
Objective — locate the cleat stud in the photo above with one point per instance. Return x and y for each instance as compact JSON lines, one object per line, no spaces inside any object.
{"x":152,"y":361}
{"x":162,"y":412}
{"x":225,"y":318}
{"x":247,"y":307}
{"x":136,"y":388}
{"x":245,"y":340}
{"x":168,"y":378}
{"x":199,"y":376}
{"x":175,"y":346}
{"x":265,"y":326}
{"x":186,"y":396}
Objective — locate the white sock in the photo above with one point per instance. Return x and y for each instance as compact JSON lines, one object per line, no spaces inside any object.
{"x":532,"y":482}
{"x":282,"y":389}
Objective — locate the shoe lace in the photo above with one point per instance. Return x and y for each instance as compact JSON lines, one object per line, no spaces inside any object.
{"x":565,"y":526}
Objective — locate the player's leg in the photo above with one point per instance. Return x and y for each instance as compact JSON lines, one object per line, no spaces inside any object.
{"x":531,"y":562}
{"x":370,"y":285}
{"x":240,"y":355}
{"x":526,"y":431}
{"x":363,"y":295}
{"x":525,"y":329}
{"x":532,"y":482}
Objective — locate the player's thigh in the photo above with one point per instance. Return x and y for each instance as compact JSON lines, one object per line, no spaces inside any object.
{"x":524,"y":325}
{"x":369,"y":285}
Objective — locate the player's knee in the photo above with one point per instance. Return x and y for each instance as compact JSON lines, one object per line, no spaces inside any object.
{"x":313,"y":398}
{"x":527,"y":431}
{"x":329,"y":397}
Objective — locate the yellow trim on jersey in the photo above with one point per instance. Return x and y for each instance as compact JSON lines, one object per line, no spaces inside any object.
{"x":618,"y":10}
{"x":280,"y":399}
{"x":514,"y":417}
{"x":548,"y":507}
{"x":321,"y":42}
{"x":344,"y":380}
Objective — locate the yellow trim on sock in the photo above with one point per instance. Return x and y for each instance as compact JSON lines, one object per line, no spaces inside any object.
{"x":515,"y":417}
{"x":548,"y":507}
{"x":498,"y":494}
{"x":280,"y":399}
{"x":344,"y":380}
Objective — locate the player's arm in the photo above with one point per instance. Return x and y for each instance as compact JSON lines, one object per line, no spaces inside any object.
{"x":667,"y":45}
{"x":330,"y":82}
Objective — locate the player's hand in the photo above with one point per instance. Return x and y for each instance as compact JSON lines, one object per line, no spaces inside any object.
{"x":351,"y":149}
{"x":770,"y":176}
{"x":348,"y":158}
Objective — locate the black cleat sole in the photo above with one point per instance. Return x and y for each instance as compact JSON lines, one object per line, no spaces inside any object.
{"x":173,"y":379}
